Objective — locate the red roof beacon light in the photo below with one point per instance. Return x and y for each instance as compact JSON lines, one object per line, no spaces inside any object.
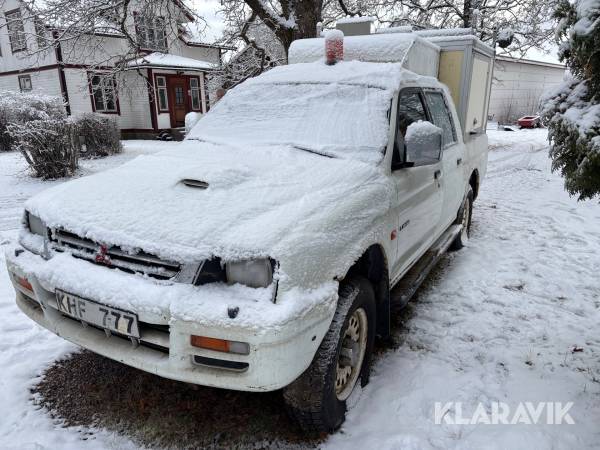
{"x":334,"y":46}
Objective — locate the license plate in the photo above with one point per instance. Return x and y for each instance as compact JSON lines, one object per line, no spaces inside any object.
{"x":107,"y":317}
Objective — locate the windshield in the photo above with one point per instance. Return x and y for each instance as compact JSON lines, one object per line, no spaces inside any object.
{"x":337,"y":120}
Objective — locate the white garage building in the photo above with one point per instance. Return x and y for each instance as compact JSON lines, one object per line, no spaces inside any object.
{"x":517,"y":86}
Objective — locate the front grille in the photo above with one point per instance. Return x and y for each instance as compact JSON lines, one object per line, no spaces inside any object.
{"x":114,"y":257}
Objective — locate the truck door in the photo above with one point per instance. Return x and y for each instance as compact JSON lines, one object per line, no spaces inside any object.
{"x":419,"y":195}
{"x":453,"y":152}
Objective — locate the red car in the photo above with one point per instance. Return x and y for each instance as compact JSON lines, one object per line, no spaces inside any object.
{"x":530,"y":122}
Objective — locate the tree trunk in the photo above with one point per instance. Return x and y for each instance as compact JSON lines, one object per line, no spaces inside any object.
{"x":467,"y":11}
{"x":307,"y":15}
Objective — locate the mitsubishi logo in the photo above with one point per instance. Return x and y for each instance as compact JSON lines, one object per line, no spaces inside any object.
{"x":102,"y":256}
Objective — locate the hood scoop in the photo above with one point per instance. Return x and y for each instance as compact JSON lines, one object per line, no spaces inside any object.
{"x":197,"y":184}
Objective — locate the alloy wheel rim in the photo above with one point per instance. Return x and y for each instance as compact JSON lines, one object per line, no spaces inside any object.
{"x":352,"y":354}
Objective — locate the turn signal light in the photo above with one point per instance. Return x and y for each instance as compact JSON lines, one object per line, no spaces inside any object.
{"x":220,"y":345}
{"x":24,"y":283}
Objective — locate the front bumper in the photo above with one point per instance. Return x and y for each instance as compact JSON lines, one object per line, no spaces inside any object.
{"x":283,"y":337}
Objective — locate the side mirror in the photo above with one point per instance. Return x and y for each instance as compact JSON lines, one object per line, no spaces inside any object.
{"x":423,"y":143}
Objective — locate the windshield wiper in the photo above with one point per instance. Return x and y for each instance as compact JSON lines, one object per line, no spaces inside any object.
{"x":309,"y":150}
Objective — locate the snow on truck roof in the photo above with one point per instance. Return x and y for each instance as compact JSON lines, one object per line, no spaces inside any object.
{"x":372,"y":47}
{"x":378,"y":75}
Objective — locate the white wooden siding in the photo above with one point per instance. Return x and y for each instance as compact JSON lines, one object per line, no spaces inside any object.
{"x":517,"y":87}
{"x":209,"y":54}
{"x":134,"y":106}
{"x":44,"y":82}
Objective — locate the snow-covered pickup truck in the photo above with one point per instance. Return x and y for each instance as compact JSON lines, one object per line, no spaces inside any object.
{"x":261,"y":252}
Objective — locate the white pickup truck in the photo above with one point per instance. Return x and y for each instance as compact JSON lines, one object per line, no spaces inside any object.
{"x":262,"y":252}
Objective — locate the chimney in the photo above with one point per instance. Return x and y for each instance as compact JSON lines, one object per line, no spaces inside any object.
{"x":355,"y":26}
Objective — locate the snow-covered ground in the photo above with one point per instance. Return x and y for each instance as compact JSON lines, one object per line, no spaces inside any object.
{"x":498,"y":324}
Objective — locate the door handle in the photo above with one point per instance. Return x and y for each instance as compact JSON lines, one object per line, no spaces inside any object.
{"x":437,"y":174}
{"x":459,"y":161}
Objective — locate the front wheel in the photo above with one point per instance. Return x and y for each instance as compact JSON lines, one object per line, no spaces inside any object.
{"x":463,"y":218}
{"x":317,"y":399}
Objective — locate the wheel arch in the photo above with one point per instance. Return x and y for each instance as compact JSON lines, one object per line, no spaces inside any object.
{"x":373,"y":265}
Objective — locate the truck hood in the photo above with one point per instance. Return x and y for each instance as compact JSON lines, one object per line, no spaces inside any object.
{"x":240,"y":203}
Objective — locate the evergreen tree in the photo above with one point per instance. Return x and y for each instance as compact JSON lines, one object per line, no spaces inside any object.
{"x":572,"y":111}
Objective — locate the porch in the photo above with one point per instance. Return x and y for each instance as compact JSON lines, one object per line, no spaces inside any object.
{"x":178,"y":86}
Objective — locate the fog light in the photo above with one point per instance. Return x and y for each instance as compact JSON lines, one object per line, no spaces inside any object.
{"x":220,"y":345}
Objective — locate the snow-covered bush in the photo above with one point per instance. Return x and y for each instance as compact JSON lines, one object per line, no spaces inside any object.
{"x":22,"y":107}
{"x":572,"y":111}
{"x":99,"y":135}
{"x":50,"y":147}
{"x":191,"y":119}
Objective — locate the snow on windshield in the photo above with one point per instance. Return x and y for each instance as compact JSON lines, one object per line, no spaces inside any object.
{"x":337,"y":120}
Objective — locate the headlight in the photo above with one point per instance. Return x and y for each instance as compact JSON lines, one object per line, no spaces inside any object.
{"x":36,"y":226}
{"x":254,"y":273}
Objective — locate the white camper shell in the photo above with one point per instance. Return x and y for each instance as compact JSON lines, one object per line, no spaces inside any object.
{"x":455,"y":57}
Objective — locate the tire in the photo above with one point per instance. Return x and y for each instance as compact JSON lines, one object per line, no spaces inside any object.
{"x":464,"y":216}
{"x":317,"y":399}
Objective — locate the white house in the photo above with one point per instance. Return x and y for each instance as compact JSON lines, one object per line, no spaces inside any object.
{"x":154,"y":92}
{"x":518,"y":84}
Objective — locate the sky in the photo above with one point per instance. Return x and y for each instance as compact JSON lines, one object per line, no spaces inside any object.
{"x":208,"y":10}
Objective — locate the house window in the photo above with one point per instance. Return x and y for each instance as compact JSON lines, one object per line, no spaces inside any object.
{"x":25,"y":83}
{"x":16,"y":31}
{"x":40,"y":33}
{"x":104,"y":98}
{"x":195,"y":92}
{"x":161,"y":91}
{"x":151,"y":32}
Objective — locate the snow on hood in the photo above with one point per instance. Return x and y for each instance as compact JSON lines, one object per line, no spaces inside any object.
{"x":273,"y":202}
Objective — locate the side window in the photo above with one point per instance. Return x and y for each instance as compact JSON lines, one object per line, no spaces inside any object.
{"x":411,"y":110}
{"x":440,"y":114}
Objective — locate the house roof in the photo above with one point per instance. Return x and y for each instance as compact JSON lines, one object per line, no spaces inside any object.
{"x":530,"y":61}
{"x":191,"y":34}
{"x":165,"y":60}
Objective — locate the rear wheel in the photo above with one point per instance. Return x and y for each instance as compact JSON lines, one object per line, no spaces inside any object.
{"x":464,"y":218}
{"x":317,"y":399}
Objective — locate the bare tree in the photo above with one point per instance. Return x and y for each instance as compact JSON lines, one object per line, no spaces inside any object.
{"x":293,"y":19}
{"x":286,"y":19}
{"x":528,"y":19}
